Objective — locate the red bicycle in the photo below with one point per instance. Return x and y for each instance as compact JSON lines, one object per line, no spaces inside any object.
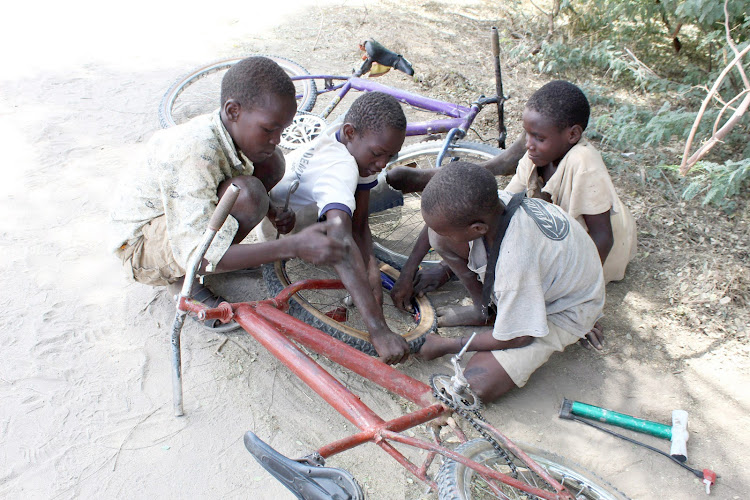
{"x":489,"y":467}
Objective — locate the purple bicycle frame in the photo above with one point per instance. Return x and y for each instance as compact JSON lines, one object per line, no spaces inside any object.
{"x":461,"y":117}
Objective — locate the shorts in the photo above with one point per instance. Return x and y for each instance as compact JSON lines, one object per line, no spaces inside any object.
{"x":521,"y":362}
{"x":150,"y":259}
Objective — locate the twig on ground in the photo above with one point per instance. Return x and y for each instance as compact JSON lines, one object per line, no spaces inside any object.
{"x":117,"y":453}
{"x":671,"y":188}
{"x":641,"y":64}
{"x":153,"y":299}
{"x":218,"y":349}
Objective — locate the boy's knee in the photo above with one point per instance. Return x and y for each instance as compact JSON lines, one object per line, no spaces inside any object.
{"x":487,"y":377}
{"x":252,"y":203}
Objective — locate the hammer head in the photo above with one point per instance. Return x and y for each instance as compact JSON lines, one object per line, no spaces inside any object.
{"x":679,"y":435}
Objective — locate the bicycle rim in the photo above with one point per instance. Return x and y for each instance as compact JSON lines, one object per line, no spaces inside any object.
{"x":199,"y":92}
{"x":395,"y":230}
{"x":332,"y":313}
{"x":458,"y":482}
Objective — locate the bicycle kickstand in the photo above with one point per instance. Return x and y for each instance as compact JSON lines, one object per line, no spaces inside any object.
{"x":214,"y":224}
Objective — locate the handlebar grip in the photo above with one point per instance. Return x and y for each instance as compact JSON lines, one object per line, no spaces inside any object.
{"x":224,"y":207}
{"x":495,"y":42}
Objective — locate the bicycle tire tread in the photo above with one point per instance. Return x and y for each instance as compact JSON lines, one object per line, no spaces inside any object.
{"x":297,"y":310}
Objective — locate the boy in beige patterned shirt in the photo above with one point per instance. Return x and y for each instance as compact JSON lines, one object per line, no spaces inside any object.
{"x":164,"y":212}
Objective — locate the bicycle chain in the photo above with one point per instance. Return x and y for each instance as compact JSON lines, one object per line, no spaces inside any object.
{"x":472,"y":420}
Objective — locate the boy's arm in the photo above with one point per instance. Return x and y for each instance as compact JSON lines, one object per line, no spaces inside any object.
{"x":436,"y":346}
{"x":270,"y":172}
{"x":315,"y":244}
{"x":600,"y":230}
{"x":403,"y":289}
{"x":363,"y":238}
{"x":391,"y":348}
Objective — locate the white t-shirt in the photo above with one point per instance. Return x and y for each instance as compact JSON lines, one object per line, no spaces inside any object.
{"x":327,"y":173}
{"x":548,"y":270}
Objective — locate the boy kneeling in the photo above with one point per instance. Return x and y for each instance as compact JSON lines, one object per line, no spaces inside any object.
{"x":546,"y":285}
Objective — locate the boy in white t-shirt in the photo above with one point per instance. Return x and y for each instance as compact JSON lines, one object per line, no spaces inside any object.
{"x":547,"y":285}
{"x":336,"y":173}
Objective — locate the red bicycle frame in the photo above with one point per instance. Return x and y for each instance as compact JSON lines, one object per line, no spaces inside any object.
{"x":268,"y":323}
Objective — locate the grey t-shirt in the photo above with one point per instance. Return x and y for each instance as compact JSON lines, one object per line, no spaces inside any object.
{"x":548,"y":269}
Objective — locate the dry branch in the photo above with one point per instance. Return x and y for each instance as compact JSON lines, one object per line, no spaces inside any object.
{"x":718,"y":135}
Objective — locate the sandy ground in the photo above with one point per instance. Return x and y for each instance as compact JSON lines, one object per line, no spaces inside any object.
{"x":85,"y":388}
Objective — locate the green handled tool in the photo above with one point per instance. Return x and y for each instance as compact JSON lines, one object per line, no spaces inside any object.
{"x":677,"y":433}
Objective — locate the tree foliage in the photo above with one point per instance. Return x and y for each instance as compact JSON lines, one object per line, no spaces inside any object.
{"x":669,"y":52}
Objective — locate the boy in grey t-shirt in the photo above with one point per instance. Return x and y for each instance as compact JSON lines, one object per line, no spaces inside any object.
{"x":548,"y":287}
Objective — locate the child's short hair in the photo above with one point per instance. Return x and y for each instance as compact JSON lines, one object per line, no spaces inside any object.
{"x":374,"y":111}
{"x":253,"y":78}
{"x":562,"y":102}
{"x":460,"y":192}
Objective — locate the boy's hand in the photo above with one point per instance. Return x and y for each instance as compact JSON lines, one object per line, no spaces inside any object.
{"x":391,"y":348}
{"x":402,"y":293}
{"x":314,"y":246}
{"x":430,"y":278}
{"x":283,"y":220}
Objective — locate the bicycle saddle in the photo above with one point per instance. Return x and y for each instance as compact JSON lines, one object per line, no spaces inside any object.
{"x":381,"y":55}
{"x":305,"y":481}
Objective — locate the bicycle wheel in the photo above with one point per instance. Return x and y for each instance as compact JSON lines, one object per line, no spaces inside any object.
{"x":331,"y":311}
{"x":199,"y":92}
{"x":458,"y":482}
{"x":395,"y":229}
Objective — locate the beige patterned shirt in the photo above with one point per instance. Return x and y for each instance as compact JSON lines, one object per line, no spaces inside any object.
{"x":179,"y":179}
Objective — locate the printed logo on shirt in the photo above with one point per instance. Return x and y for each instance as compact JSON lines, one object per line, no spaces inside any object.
{"x":304,"y":161}
{"x":548,"y":218}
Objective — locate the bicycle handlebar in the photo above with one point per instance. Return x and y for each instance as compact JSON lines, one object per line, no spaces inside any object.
{"x":223,"y":208}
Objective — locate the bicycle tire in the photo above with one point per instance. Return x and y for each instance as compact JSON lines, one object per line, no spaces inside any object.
{"x":458,"y":482}
{"x":396,"y":228}
{"x":308,"y":307}
{"x":205,"y":85}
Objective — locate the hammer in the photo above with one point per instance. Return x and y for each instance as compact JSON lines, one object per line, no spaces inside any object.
{"x":677,"y":433}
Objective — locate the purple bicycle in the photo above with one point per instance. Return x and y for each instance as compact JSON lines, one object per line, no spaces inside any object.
{"x":395,"y":218}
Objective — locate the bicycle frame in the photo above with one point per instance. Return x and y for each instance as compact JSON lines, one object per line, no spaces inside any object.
{"x":268,"y":323}
{"x":456,"y":126}
{"x":461,"y":116}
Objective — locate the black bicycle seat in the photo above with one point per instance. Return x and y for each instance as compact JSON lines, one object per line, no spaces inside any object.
{"x":381,"y":55}
{"x":305,"y":481}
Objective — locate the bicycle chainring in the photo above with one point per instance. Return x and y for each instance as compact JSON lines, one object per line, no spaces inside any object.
{"x":437,"y":382}
{"x":304,"y":129}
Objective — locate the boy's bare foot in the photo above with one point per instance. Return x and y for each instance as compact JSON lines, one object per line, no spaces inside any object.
{"x":435,"y":346}
{"x":460,"y":316}
{"x":594,"y":338}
